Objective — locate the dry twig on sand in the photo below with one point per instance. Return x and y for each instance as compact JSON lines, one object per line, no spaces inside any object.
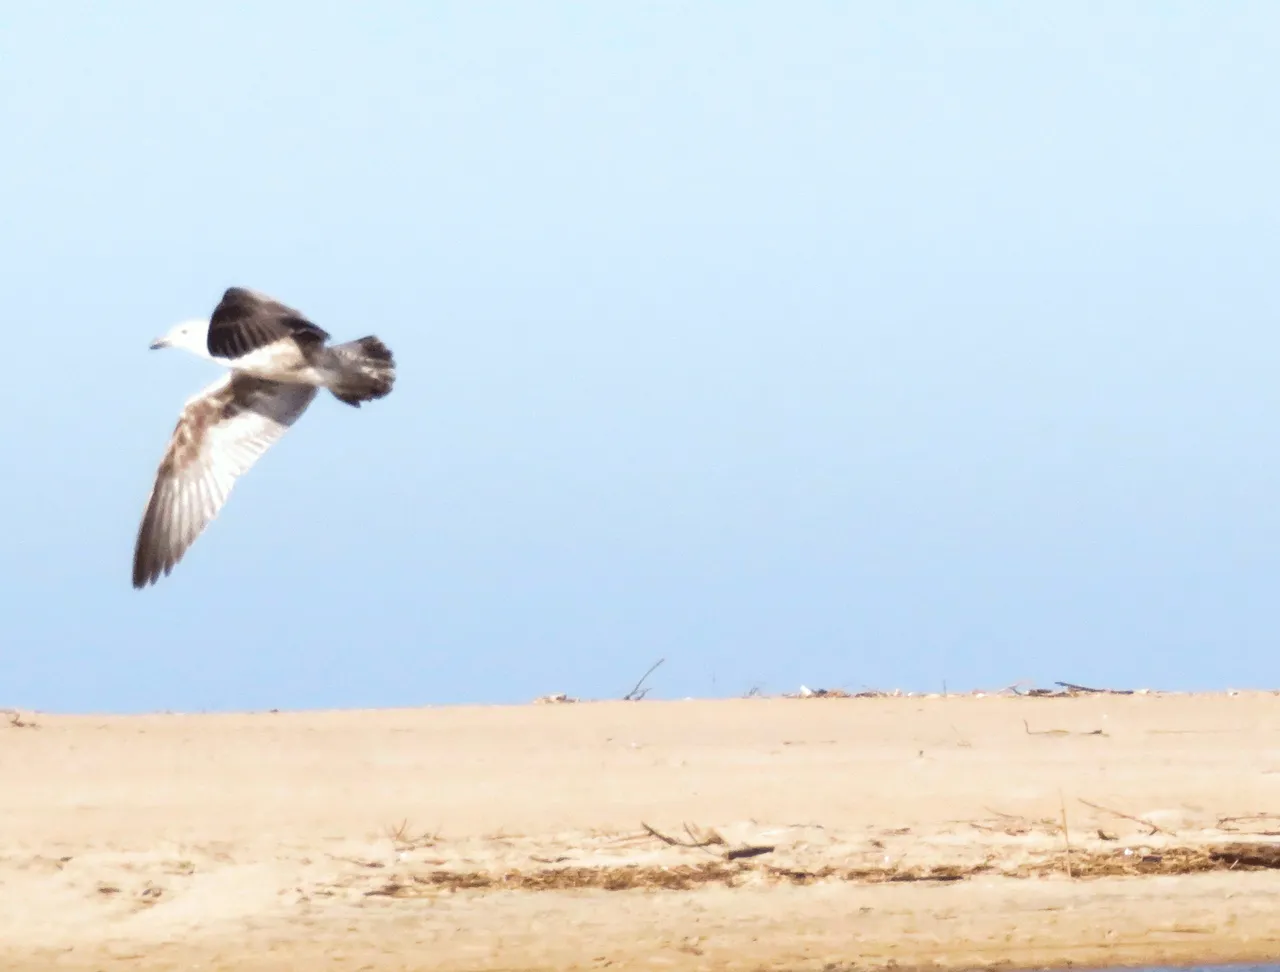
{"x":403,"y":839}
{"x":1059,"y":732}
{"x":1017,"y":825}
{"x":698,"y":842}
{"x":1155,"y":828}
{"x":694,"y":840}
{"x":1017,"y":688}
{"x":1066,"y":836}
{"x":1224,"y":823}
{"x":1085,"y":690}
{"x":636,"y":694}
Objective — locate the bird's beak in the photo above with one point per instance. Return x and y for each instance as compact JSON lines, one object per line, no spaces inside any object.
{"x":159,"y":343}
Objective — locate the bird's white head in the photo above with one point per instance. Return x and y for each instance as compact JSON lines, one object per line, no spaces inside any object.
{"x":190,"y":336}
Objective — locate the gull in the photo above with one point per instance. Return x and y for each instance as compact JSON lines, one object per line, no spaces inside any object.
{"x":277,"y":362}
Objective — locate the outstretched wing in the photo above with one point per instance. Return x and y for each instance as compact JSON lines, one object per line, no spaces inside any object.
{"x":221,"y":433}
{"x":245,"y":320}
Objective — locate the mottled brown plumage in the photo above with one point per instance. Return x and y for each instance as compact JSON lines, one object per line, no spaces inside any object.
{"x":221,"y":433}
{"x":279,"y":360}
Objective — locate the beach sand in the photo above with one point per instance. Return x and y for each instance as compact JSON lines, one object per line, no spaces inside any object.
{"x":830,"y":832}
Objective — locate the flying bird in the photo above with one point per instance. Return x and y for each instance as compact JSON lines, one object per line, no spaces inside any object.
{"x":277,"y":362}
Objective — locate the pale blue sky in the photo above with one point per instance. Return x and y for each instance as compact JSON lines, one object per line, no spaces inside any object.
{"x":826,"y":343}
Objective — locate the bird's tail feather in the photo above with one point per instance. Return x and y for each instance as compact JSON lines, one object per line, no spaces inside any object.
{"x":361,"y":371}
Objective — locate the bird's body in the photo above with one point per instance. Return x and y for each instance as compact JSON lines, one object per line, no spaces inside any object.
{"x":277,"y":362}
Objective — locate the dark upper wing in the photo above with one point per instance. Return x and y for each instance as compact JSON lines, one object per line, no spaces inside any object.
{"x":244,"y":321}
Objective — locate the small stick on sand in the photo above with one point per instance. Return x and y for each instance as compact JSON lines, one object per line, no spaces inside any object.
{"x":1066,"y":838}
{"x":1007,"y":816}
{"x":635,"y":695}
{"x":1059,"y":732}
{"x":1093,"y":691}
{"x":1043,"y":732}
{"x":1249,"y":816}
{"x":1259,"y":818}
{"x":693,"y":841}
{"x":1155,"y":828}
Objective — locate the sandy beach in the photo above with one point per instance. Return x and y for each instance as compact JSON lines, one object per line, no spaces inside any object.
{"x":744,"y":834}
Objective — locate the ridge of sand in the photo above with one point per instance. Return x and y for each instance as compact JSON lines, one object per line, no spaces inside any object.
{"x":736,"y":834}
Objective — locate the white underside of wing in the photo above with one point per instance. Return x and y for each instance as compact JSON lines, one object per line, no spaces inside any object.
{"x":221,"y":433}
